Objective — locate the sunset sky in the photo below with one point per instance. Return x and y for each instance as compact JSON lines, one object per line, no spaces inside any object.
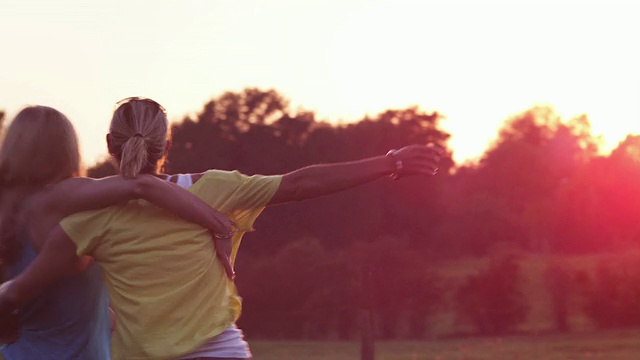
{"x":476,"y":62}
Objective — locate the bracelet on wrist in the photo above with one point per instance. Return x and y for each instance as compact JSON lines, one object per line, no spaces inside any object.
{"x":225,"y":236}
{"x":395,"y":175}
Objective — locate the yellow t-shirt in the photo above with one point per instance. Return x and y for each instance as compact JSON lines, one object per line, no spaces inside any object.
{"x":167,"y":287}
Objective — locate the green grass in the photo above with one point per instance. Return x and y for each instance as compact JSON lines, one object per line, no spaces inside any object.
{"x":610,"y":345}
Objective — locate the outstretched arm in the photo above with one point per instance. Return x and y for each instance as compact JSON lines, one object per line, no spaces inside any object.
{"x":317,"y":180}
{"x":80,"y":194}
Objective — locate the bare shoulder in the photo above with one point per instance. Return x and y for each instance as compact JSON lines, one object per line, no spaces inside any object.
{"x":45,"y":204}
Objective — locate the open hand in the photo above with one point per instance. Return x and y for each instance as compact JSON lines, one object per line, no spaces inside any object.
{"x":418,"y":159}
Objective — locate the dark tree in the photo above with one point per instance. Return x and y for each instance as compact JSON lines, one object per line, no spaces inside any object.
{"x":596,"y":209}
{"x":560,"y":286}
{"x":612,"y":298}
{"x":492,"y":301}
{"x":510,"y":198}
{"x":102,"y":169}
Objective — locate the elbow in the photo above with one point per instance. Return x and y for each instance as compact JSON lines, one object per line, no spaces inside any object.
{"x":296,"y":194}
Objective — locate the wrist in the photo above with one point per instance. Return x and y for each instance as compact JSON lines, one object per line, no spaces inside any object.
{"x":227,"y":233}
{"x":396,"y":164}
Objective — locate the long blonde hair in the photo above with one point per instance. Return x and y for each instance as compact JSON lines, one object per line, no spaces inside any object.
{"x":40,"y":147}
{"x":138,"y":136}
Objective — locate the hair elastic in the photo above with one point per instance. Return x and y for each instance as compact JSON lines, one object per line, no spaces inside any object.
{"x":137,"y":135}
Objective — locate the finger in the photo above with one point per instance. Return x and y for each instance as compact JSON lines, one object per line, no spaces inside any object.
{"x":424,"y":155}
{"x":429,"y":172}
{"x":223,"y":245}
{"x":421,"y":164}
{"x":435,"y":147}
{"x":428,"y":168}
{"x":223,"y":249}
{"x":228,"y":268}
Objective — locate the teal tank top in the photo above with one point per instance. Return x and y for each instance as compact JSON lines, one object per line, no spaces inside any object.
{"x":67,"y":321}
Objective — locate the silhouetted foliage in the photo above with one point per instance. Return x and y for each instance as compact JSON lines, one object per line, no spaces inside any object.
{"x":492,"y":300}
{"x":597,"y":210}
{"x":300,"y":292}
{"x":613,"y":298}
{"x":405,"y":289}
{"x":234,"y":132}
{"x":510,"y":198}
{"x":102,"y":169}
{"x":560,"y":286}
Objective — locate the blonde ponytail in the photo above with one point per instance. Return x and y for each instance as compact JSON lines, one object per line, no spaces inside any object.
{"x":138,"y":136}
{"x":134,"y":156}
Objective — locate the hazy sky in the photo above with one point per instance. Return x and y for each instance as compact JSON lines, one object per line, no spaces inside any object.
{"x":476,"y":62}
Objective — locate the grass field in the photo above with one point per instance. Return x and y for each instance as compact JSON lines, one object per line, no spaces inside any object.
{"x":610,"y":345}
{"x":534,"y":288}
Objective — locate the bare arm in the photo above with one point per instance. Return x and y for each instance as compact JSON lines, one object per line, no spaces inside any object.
{"x":80,"y":194}
{"x":317,"y":180}
{"x":56,"y":259}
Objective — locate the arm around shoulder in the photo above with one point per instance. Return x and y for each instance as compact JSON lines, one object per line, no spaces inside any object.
{"x":56,"y":260}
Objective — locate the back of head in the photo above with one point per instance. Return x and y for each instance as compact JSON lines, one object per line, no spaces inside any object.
{"x":138,"y":136}
{"x":40,"y":147}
